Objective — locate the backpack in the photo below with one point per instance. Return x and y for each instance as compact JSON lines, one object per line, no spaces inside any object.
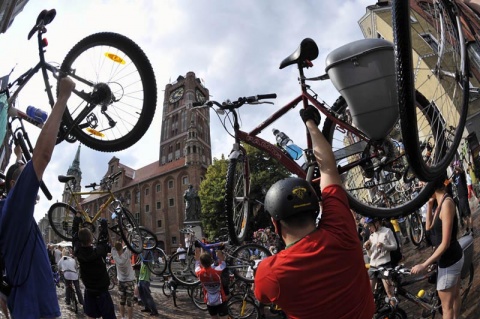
{"x":395,"y":255}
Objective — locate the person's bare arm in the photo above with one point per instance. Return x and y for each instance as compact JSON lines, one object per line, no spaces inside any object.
{"x":43,"y":150}
{"x":324,"y":155}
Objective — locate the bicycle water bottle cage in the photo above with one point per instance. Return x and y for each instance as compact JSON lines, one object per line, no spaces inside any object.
{"x":306,"y":52}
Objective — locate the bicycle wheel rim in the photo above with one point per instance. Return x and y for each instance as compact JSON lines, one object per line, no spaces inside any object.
{"x":438,"y":70}
{"x":237,"y":203}
{"x":416,"y":228}
{"x":60,"y":217}
{"x":240,"y":307}
{"x":184,"y":274}
{"x":197,"y":296}
{"x":159,"y":263}
{"x":245,"y":259}
{"x":111,"y":63}
{"x":130,"y":231}
{"x":371,"y":184}
{"x":149,"y":238}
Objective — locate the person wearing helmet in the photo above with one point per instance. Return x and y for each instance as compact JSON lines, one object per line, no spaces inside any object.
{"x":322,"y":266}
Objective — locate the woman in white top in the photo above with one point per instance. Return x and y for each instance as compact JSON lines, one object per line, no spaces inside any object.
{"x":68,"y":266}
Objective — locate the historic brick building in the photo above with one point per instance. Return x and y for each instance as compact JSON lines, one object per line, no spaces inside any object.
{"x":154,"y":193}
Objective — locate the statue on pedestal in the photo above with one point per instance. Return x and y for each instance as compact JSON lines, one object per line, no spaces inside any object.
{"x":192,"y":204}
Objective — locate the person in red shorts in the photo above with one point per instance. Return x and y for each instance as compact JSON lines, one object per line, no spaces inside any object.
{"x":321,"y":272}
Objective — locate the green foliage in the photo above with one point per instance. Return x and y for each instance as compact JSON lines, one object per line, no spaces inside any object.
{"x":264,"y":172}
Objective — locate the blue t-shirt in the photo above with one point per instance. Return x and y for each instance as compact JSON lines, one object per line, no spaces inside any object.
{"x":26,"y":260}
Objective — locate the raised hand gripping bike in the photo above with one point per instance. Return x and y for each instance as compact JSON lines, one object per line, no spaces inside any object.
{"x":115,"y":95}
{"x":60,"y":215}
{"x":370,"y":157}
{"x":241,"y":260}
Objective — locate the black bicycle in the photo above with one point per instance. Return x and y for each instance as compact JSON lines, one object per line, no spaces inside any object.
{"x":115,"y":95}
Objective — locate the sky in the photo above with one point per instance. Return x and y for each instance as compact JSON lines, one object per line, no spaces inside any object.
{"x":234,"y":46}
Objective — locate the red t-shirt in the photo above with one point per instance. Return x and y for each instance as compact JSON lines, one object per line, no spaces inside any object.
{"x":212,"y":284}
{"x":323,"y":275}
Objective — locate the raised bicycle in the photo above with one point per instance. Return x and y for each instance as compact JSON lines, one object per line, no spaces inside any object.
{"x":370,"y":157}
{"x":115,"y":95}
{"x":241,"y":260}
{"x":60,"y":215}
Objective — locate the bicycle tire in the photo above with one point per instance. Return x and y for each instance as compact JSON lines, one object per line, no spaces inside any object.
{"x":158,"y":265}
{"x":166,"y":290}
{"x":112,"y":275}
{"x":149,"y":238}
{"x":416,"y":232}
{"x":241,"y":307}
{"x":60,"y":217}
{"x":130,"y":231}
{"x":197,"y":295}
{"x":444,"y":66}
{"x":184,"y":274}
{"x":466,"y":284}
{"x":388,"y":313}
{"x":125,"y":69}
{"x":245,"y":259}
{"x":237,"y":205}
{"x":364,"y":198}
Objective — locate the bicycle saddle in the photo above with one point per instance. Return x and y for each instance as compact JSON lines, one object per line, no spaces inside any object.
{"x":65,"y":179}
{"x":308,"y":50}
{"x":46,"y":16}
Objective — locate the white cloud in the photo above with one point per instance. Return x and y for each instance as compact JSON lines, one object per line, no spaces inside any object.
{"x":235,"y":46}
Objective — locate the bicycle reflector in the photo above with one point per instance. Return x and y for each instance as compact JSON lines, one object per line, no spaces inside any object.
{"x":95,"y":132}
{"x":115,"y":58}
{"x":44,"y":42}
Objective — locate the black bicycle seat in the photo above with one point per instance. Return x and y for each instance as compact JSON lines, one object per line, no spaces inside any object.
{"x":308,"y":50}
{"x":46,"y":16}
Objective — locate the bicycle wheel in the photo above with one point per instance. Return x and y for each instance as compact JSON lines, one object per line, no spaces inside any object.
{"x":371,"y":179}
{"x":118,"y":79}
{"x":183,"y":273}
{"x":388,"y":313}
{"x":130,"y":231}
{"x":60,"y":217}
{"x":240,"y":307}
{"x":237,"y":205}
{"x":158,"y":264}
{"x":166,"y":289}
{"x":245,"y":259}
{"x":112,"y":274}
{"x":416,"y":232}
{"x":198,"y":297}
{"x":149,"y":238}
{"x":431,"y":58}
{"x":466,"y":285}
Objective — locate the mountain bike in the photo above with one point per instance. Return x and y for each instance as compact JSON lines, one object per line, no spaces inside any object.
{"x":369,"y":154}
{"x":241,"y":260}
{"x":60,"y":215}
{"x":243,"y":304}
{"x":115,"y":95}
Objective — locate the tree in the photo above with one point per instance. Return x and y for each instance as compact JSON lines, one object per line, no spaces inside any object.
{"x":264,"y":172}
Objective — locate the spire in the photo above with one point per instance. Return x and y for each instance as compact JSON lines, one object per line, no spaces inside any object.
{"x":75,"y":167}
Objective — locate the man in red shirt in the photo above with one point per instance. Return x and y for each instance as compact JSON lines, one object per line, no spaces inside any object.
{"x":210,"y":277}
{"x":321,"y":273}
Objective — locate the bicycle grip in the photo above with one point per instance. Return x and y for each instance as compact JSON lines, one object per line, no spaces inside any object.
{"x":194,"y":104}
{"x":267,"y":96}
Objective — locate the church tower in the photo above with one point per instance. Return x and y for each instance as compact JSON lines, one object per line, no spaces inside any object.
{"x":74,"y":170}
{"x":186,"y":131}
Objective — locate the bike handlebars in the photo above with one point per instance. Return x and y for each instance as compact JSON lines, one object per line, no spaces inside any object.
{"x":108,"y":179}
{"x":229,"y":105}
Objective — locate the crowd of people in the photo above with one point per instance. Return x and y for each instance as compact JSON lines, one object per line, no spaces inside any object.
{"x":324,"y":255}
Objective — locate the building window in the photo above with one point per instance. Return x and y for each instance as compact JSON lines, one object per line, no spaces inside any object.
{"x":158,"y":188}
{"x":159,"y":205}
{"x":431,"y":41}
{"x":174,"y":240}
{"x":137,"y":218}
{"x":185,"y":180}
{"x":159,"y":223}
{"x":171,"y":202}
{"x":137,"y":197}
{"x":147,"y":208}
{"x":111,"y":168}
{"x":170,"y":184}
